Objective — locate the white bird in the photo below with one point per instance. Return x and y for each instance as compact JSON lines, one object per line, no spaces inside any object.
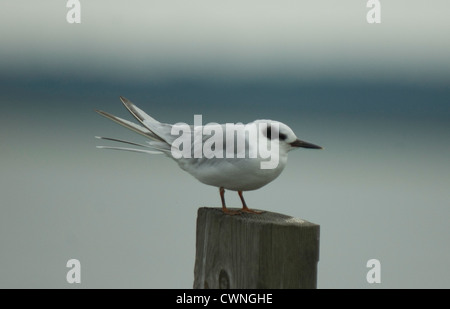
{"x":234,"y":171}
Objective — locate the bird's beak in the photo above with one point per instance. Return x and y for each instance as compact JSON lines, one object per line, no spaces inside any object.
{"x":299,"y":143}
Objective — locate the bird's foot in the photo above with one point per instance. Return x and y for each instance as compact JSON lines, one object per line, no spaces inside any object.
{"x":251,"y":211}
{"x":230,"y":212}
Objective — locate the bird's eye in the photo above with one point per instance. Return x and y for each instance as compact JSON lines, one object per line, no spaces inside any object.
{"x":283,"y":136}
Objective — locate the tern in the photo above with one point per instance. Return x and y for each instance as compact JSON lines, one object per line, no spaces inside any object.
{"x":233,"y":169}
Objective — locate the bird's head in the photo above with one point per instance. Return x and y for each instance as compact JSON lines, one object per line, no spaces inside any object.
{"x":278,"y":131}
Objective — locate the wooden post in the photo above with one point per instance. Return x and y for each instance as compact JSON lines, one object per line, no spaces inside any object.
{"x":251,"y":251}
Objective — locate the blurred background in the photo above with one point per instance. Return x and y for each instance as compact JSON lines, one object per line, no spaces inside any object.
{"x":376,"y":96}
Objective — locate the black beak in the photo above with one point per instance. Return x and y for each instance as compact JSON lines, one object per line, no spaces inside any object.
{"x":299,"y":143}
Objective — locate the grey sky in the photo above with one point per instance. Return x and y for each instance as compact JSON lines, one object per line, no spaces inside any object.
{"x":162,"y":39}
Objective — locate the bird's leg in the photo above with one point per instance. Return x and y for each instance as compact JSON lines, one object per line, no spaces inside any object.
{"x":244,"y":206}
{"x":224,"y":207}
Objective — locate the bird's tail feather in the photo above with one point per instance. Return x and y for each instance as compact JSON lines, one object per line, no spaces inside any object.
{"x":130,"y":149}
{"x":157,"y":147}
{"x":162,"y":131}
{"x":158,"y":133}
{"x":129,"y":125}
{"x":146,"y":120}
{"x":122,"y":141}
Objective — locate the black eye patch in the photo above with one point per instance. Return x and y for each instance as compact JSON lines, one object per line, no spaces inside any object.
{"x":269,"y":132}
{"x":283,"y":136}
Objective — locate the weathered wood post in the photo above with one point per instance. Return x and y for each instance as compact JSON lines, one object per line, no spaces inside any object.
{"x":248,"y":251}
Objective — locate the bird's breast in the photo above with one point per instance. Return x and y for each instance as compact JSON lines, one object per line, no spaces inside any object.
{"x":233,"y":174}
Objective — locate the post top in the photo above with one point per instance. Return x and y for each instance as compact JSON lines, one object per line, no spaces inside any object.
{"x":266,"y":217}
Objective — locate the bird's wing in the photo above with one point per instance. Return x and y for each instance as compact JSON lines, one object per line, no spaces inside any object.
{"x":235,"y":143}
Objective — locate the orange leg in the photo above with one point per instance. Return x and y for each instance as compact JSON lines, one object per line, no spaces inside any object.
{"x":244,"y":206}
{"x":224,"y":207}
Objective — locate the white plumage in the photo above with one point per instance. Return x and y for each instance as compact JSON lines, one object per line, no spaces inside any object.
{"x":234,"y":170}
